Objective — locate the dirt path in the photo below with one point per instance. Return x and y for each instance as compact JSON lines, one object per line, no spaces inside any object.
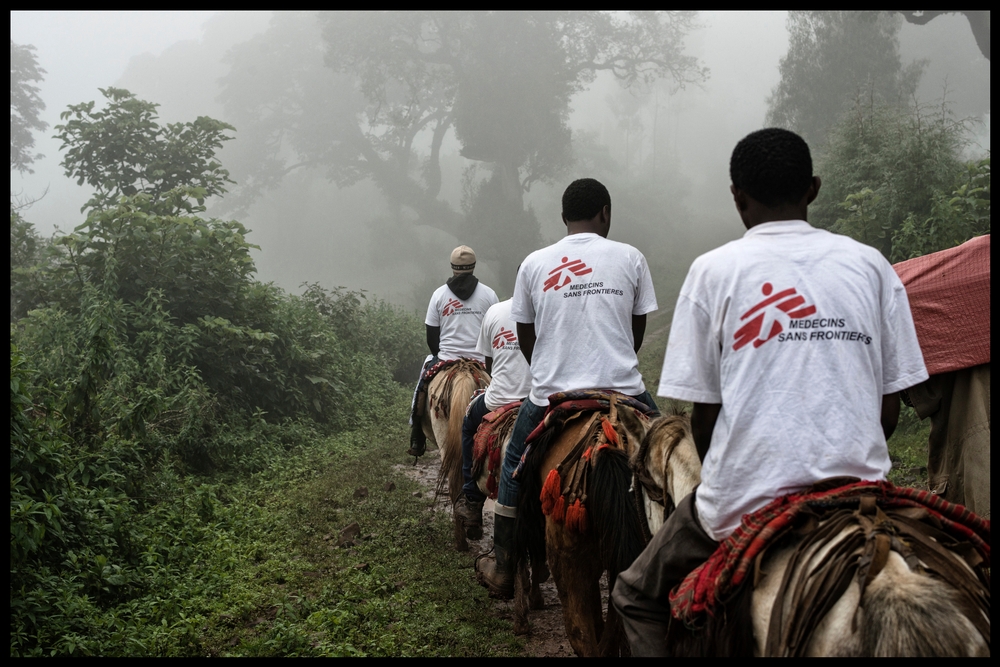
{"x":548,"y":636}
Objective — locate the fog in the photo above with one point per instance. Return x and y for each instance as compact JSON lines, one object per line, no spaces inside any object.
{"x":662,"y":143}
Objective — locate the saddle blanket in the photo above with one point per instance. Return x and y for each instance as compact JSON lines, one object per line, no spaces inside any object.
{"x":722,"y":574}
{"x":488,"y":443}
{"x":563,"y":404}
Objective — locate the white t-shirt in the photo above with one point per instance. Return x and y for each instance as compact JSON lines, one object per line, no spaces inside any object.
{"x":459,"y":320}
{"x":581,"y":294}
{"x":798,"y":333}
{"x":511,"y":375}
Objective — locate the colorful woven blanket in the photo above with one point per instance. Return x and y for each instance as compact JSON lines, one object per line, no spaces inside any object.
{"x":563,"y":404}
{"x":727,"y":569}
{"x":442,"y":407}
{"x":488,"y":444}
{"x":564,"y":493}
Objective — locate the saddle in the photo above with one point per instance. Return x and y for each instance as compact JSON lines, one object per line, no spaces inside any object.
{"x":443,"y":406}
{"x":564,"y":493}
{"x":927,"y":531}
{"x":488,"y":444}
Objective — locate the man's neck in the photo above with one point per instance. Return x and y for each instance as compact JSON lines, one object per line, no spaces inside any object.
{"x":583,"y":227}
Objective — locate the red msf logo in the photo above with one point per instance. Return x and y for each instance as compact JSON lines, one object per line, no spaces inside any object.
{"x":505,"y":336}
{"x":451,"y":307}
{"x":787,"y":301}
{"x":576,"y":267}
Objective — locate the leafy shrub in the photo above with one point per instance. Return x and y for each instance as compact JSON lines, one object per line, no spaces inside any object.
{"x":955,"y":217}
{"x":882,"y":164}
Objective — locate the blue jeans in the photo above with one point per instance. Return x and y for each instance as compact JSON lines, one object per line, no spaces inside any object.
{"x":528,"y":417}
{"x":473,"y":418}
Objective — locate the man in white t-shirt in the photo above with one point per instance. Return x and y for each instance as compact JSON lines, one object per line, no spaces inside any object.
{"x":580,"y":307}
{"x":510,"y":381}
{"x":792,"y":343}
{"x":454,"y":316}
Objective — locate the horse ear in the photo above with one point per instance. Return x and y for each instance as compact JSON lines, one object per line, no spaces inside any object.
{"x":634,"y":425}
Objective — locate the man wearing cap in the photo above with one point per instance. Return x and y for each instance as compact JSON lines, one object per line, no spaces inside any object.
{"x":454,"y":317}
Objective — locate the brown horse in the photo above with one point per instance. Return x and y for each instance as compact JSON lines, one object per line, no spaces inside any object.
{"x":448,"y":396}
{"x":903,"y":610}
{"x":610,"y":540}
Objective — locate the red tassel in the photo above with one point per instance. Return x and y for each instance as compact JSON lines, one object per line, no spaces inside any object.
{"x":551,"y":491}
{"x":559,"y":510}
{"x":491,"y":485}
{"x":576,"y":517}
{"x":609,"y":431}
{"x":587,"y":454}
{"x":494,"y":459}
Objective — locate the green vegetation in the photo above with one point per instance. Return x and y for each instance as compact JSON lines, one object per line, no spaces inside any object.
{"x":154,"y":385}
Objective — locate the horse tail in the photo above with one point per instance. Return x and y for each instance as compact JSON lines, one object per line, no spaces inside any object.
{"x":619,"y":531}
{"x":529,"y":525}
{"x":464,"y":385}
{"x":906,"y":613}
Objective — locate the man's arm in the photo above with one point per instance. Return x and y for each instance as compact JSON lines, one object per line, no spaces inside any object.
{"x":890,"y":413}
{"x":526,"y":339}
{"x":489,"y":365}
{"x":638,"y":331}
{"x":433,"y":339}
{"x":703,"y":418}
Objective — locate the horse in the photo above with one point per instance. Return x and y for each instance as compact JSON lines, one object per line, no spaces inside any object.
{"x":903,"y":610}
{"x":606,"y":539}
{"x":448,"y":396}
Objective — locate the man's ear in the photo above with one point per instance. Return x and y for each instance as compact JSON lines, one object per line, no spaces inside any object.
{"x":739,"y":198}
{"x":813,"y":190}
{"x":565,"y":221}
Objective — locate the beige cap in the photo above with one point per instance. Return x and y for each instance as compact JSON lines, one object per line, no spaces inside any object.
{"x":463,"y":259}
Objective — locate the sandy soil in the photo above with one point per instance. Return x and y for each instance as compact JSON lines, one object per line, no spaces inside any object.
{"x":548,"y":636}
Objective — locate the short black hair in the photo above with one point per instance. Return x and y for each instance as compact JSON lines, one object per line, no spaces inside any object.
{"x":773,"y":166}
{"x":583,"y":199}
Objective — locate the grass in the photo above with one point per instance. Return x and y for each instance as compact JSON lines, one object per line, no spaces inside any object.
{"x":401,"y":590}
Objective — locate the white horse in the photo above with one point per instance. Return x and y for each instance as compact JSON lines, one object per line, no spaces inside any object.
{"x":903,"y":611}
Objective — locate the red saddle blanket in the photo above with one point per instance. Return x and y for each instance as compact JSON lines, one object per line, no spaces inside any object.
{"x":728,"y":567}
{"x":565,"y":403}
{"x":488,"y":444}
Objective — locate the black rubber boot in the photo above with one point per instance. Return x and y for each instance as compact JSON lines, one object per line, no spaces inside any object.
{"x":496,"y":572}
{"x":418,"y":441}
{"x":471,"y":515}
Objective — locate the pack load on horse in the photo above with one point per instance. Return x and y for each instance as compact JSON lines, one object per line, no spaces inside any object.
{"x":845,"y":567}
{"x":949,"y":294}
{"x":577,"y":512}
{"x":792,"y":344}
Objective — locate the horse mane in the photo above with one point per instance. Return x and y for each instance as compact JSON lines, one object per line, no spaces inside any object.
{"x":529,"y":524}
{"x":620,"y":536}
{"x":465,"y":379}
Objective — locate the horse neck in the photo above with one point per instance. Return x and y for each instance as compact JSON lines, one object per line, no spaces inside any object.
{"x":683,"y":469}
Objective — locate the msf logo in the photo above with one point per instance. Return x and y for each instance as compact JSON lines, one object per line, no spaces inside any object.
{"x":505,"y":336}
{"x":576,"y":267}
{"x":451,"y":307}
{"x":766,"y":325}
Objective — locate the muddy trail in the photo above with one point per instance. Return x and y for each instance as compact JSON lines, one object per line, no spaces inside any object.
{"x":548,"y":635}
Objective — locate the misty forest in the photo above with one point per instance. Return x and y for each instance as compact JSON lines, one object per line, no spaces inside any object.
{"x":221,"y":257}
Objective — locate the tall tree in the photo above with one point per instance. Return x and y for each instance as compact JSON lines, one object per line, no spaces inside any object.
{"x":25,"y":106}
{"x":833,"y":56}
{"x":401,"y":81}
{"x":122,"y":150}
